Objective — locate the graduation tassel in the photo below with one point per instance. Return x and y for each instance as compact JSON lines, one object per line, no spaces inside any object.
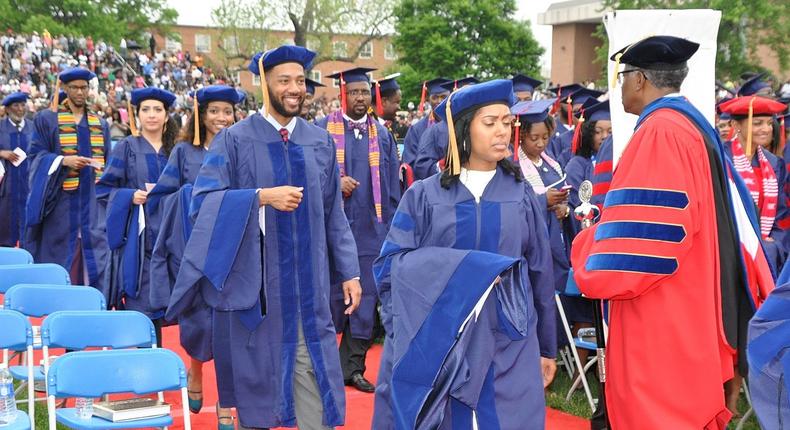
{"x":452,"y":160}
{"x":556,"y":106}
{"x":421,"y":108}
{"x":379,"y":103}
{"x":196,"y":114}
{"x":749,"y":127}
{"x":56,"y":96}
{"x":343,"y":97}
{"x":577,"y":134}
{"x":569,"y":102}
{"x":782,"y":136}
{"x":455,"y":84}
{"x":616,"y":69}
{"x":516,"y":139}
{"x":264,"y":86}
{"x":132,"y":126}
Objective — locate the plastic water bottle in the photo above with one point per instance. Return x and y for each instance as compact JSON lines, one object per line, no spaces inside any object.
{"x":7,"y":401}
{"x":84,"y":408}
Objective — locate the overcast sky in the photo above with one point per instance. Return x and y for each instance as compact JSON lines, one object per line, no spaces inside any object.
{"x":526,"y":9}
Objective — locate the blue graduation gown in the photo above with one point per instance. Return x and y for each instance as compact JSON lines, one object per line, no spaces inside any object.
{"x":411,"y":142}
{"x":133,"y":163}
{"x":368,"y":232}
{"x":13,"y":187}
{"x":560,"y":147}
{"x":51,"y":236}
{"x":304,"y":251}
{"x":559,"y":231}
{"x":494,"y":370}
{"x":776,"y":250}
{"x":432,"y":148}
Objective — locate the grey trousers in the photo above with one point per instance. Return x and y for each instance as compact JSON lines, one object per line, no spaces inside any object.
{"x":307,"y":398}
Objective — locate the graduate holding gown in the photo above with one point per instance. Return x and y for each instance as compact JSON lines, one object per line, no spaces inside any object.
{"x":676,"y":253}
{"x":15,"y":134}
{"x":465,"y":282}
{"x":65,"y":225}
{"x":269,"y":238}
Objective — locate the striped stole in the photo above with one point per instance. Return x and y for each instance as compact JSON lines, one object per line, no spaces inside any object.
{"x":67,"y":131}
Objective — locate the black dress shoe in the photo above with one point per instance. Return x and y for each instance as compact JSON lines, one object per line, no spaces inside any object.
{"x":360,"y":383}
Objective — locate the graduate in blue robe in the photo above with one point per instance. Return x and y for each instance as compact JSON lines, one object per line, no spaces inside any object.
{"x":310,"y":86}
{"x":172,"y":196}
{"x":134,"y":168}
{"x":436,"y":94}
{"x":68,"y":150}
{"x":266,"y":273}
{"x":371,"y":194}
{"x":15,"y":132}
{"x":464,"y":350}
{"x":560,"y":144}
{"x":431,"y":149}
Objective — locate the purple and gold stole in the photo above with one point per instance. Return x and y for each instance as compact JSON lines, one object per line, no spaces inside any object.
{"x":336,"y":128}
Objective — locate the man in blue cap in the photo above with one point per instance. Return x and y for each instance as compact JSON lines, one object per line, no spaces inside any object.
{"x":68,"y":151}
{"x":369,"y":178}
{"x":756,"y":86}
{"x":524,"y":86}
{"x":269,"y":238}
{"x":386,"y":99}
{"x":310,"y":86}
{"x":436,"y":94}
{"x":15,"y":135}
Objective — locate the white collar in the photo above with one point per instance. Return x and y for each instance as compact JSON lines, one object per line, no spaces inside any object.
{"x":21,"y":123}
{"x":362,"y":120}
{"x":277,"y":126}
{"x":674,"y":95}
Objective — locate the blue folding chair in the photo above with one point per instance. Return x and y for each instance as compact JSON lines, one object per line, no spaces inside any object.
{"x":38,"y":300}
{"x":17,"y":334}
{"x":14,"y":256}
{"x":46,"y":273}
{"x":92,"y":374}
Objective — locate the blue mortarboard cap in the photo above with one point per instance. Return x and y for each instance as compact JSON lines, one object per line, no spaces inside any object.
{"x":312,"y":85}
{"x":151,"y":93}
{"x":581,"y":96}
{"x":752,"y":85}
{"x":357,"y":74}
{"x":280,"y":55}
{"x":17,"y":97}
{"x":496,"y":91}
{"x":460,"y":83}
{"x":218,"y":93}
{"x":242,"y":95}
{"x":724,"y":116}
{"x":657,"y":53}
{"x":434,"y":86}
{"x":533,"y":111}
{"x":75,"y":74}
{"x":525,"y":83}
{"x":389,"y":84}
{"x":564,"y":91}
{"x":598,"y":112}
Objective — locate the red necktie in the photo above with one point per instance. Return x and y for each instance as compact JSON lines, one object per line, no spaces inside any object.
{"x":284,"y":134}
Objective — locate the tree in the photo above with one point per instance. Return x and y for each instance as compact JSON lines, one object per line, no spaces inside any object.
{"x":745,"y":26}
{"x":457,"y":38}
{"x":313,"y":22}
{"x":108,"y":20}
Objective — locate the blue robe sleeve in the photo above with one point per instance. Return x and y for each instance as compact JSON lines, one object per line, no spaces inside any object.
{"x":412,"y":141}
{"x":428,"y":153}
{"x":394,"y":179}
{"x":169,"y":181}
{"x":215,"y":173}
{"x":343,"y":261}
{"x":541,"y":276}
{"x":776,"y":250}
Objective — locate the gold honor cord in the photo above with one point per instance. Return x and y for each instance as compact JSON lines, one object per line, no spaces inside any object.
{"x":196,"y":114}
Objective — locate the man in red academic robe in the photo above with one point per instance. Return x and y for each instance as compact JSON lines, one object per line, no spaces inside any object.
{"x":668,"y":254}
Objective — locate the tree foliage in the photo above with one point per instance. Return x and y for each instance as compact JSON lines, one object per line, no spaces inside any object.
{"x":108,"y":20}
{"x":457,"y":38}
{"x":745,"y":26}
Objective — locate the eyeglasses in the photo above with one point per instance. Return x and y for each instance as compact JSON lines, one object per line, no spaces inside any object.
{"x":620,"y":75}
{"x":83,"y":89}
{"x":355,"y":93}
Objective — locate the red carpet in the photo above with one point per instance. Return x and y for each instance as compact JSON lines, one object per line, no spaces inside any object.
{"x":359,"y":406}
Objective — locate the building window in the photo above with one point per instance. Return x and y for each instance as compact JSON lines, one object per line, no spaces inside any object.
{"x":389,"y":52}
{"x":203,"y":42}
{"x":335,"y":82}
{"x":172,"y":45}
{"x":339,"y":49}
{"x":313,"y":45}
{"x":366,"y":51}
{"x":315,"y":75}
{"x":231,"y":45}
{"x":256,"y":80}
{"x":237,"y":77}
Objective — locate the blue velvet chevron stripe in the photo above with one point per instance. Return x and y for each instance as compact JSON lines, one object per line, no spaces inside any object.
{"x":234,"y":212}
{"x":632,"y":263}
{"x":640,"y":230}
{"x":646,"y":197}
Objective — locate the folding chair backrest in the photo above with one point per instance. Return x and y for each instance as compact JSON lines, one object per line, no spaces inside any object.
{"x":16,"y":333}
{"x":15,"y":256}
{"x":571,"y":289}
{"x":46,"y":273}
{"x":77,"y":330}
{"x":95,"y":373}
{"x":37,"y":300}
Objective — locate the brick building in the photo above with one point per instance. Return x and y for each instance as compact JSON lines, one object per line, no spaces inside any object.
{"x":222,"y":51}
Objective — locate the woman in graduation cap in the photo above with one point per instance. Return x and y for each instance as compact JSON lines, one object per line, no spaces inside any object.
{"x":134,"y":167}
{"x":464,"y":279}
{"x":532,"y":132}
{"x":213,"y":111}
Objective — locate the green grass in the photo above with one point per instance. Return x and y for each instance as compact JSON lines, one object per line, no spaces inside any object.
{"x":555,"y":398}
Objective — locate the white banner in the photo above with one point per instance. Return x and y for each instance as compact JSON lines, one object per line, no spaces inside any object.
{"x":625,"y":27}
